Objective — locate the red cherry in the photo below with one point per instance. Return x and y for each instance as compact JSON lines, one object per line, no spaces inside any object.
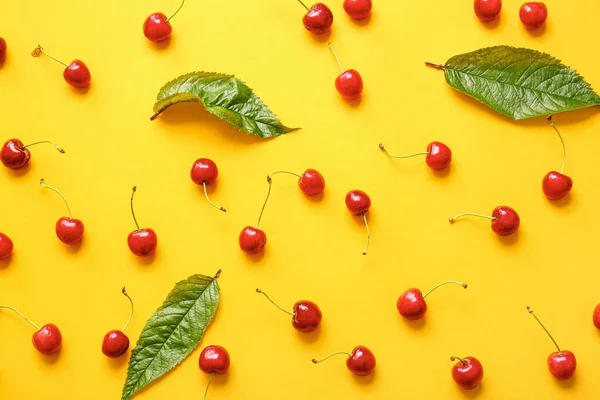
{"x":205,"y":172}
{"x":358,"y":202}
{"x":116,"y":343}
{"x":360,"y":362}
{"x":306,"y":316}
{"x":318,"y":19}
{"x":68,"y":229}
{"x":141,"y":242}
{"x":2,"y":50}
{"x":438,"y":155}
{"x":596,"y":317}
{"x":214,"y":360}
{"x":505,"y":220}
{"x":349,"y":83}
{"x":252,"y":240}
{"x":47,"y":339}
{"x":15,"y":155}
{"x":561,"y":363}
{"x":533,"y":14}
{"x":76,"y":74}
{"x":467,"y":372}
{"x":411,"y":303}
{"x":358,"y":9}
{"x":312,"y":182}
{"x":6,"y":246}
{"x":157,"y":28}
{"x":556,"y":185}
{"x":487,"y":10}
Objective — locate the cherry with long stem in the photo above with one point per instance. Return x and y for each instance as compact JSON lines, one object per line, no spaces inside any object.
{"x":43,"y":183}
{"x":464,"y":285}
{"x":208,"y":199}
{"x":530,"y":310}
{"x":175,"y":13}
{"x":551,"y":123}
{"x":258,"y":290}
{"x":21,"y":315}
{"x":382,"y":147}
{"x":60,"y":149}
{"x":39,"y":50}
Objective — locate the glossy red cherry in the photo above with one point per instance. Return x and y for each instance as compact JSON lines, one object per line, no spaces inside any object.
{"x":411,"y":303}
{"x":467,"y":372}
{"x":115,"y":342}
{"x":2,"y":50}
{"x":438,"y":155}
{"x":318,"y":18}
{"x":556,"y":185}
{"x":561,"y":363}
{"x":214,"y":359}
{"x":252,"y":240}
{"x":76,"y":74}
{"x":141,"y":242}
{"x":358,"y":203}
{"x":157,"y":27}
{"x":306,"y":316}
{"x":349,"y":83}
{"x":312,"y":182}
{"x":533,"y":14}
{"x":47,"y":339}
{"x":487,"y":10}
{"x":205,"y":172}
{"x":69,"y":230}
{"x":358,"y":9}
{"x":6,"y":246}
{"x":15,"y":155}
{"x":596,"y":317}
{"x":360,"y":362}
{"x":505,"y":220}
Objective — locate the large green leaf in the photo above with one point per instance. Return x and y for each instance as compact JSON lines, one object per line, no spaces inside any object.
{"x":173,"y":332}
{"x":224,"y":96}
{"x":519,"y":83}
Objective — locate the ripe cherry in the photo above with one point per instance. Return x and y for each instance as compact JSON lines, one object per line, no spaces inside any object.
{"x":115,"y":342}
{"x":306,"y":315}
{"x":252,"y":240}
{"x":561,"y":363}
{"x":318,"y":18}
{"x":596,"y":317}
{"x":505,"y":220}
{"x":555,"y":184}
{"x":358,"y":202}
{"x":360,"y":362}
{"x":2,"y":50}
{"x":69,"y":230}
{"x":157,"y":26}
{"x":533,"y":14}
{"x":358,"y":9}
{"x":467,"y":372}
{"x":6,"y":246}
{"x":213,"y":360}
{"x":438,"y":155}
{"x":349,"y":83}
{"x":487,"y":10}
{"x":15,"y":155}
{"x":311,"y":182}
{"x":205,"y":172}
{"x":141,"y":242}
{"x":411,"y":303}
{"x":75,"y":74}
{"x":47,"y":339}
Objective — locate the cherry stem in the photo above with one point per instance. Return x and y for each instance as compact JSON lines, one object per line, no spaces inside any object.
{"x":464,"y":285}
{"x":336,"y":57}
{"x":131,"y":312}
{"x":452,"y":219}
{"x":436,"y":66}
{"x":286,"y":172}
{"x":368,"y":234}
{"x":208,"y":384}
{"x":315,"y":361}
{"x":459,"y":359}
{"x":60,"y":149}
{"x":43,"y":183}
{"x":304,"y":5}
{"x":210,"y":202}
{"x":542,"y":325}
{"x":275,"y":304}
{"x":131,"y":205}
{"x":269,"y":180}
{"x":549,"y":118}
{"x":382,"y":147}
{"x":179,"y":9}
{"x":39,"y":50}
{"x":22,"y":316}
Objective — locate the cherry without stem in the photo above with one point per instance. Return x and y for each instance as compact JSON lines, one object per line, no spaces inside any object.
{"x":411,"y":303}
{"x":6,"y":246}
{"x":76,"y":74}
{"x":505,"y":220}
{"x":205,"y":172}
{"x":157,"y":26}
{"x":438,"y":155}
{"x":213,"y":360}
{"x":349,"y":83}
{"x":318,"y":18}
{"x":533,"y":14}
{"x":358,"y":9}
{"x":69,"y":230}
{"x":115,"y":342}
{"x":15,"y":154}
{"x":358,"y":203}
{"x":360,"y":361}
{"x":306,"y":315}
{"x":596,"y":316}
{"x":2,"y":50}
{"x":487,"y":10}
{"x":555,"y":184}
{"x":47,"y":339}
{"x":141,"y":242}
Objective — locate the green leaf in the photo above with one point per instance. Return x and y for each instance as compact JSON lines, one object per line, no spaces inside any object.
{"x":224,"y":96}
{"x":173,"y":332}
{"x":519,"y":83}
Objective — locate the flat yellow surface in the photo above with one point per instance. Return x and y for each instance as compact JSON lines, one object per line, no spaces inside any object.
{"x":314,"y":247}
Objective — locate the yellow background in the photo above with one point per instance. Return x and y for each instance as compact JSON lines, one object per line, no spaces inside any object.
{"x":314,"y":247}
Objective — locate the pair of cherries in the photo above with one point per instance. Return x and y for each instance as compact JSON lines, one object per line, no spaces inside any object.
{"x":532,"y":14}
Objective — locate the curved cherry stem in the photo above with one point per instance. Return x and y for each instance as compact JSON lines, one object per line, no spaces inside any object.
{"x":22,"y":316}
{"x":304,"y":5}
{"x":210,"y":202}
{"x":464,"y":285}
{"x":269,"y":181}
{"x":459,"y":359}
{"x":452,"y":219}
{"x":179,"y":9}
{"x":286,"y":172}
{"x":382,"y":147}
{"x":542,"y":325}
{"x":364,"y":214}
{"x":315,"y":361}
{"x":436,"y":66}
{"x":60,"y":149}
{"x":131,"y":205}
{"x":562,"y":169}
{"x":131,"y":312}
{"x":40,"y":50}
{"x":208,"y":384}
{"x":43,"y":183}
{"x":258,"y":290}
{"x":336,"y":57}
